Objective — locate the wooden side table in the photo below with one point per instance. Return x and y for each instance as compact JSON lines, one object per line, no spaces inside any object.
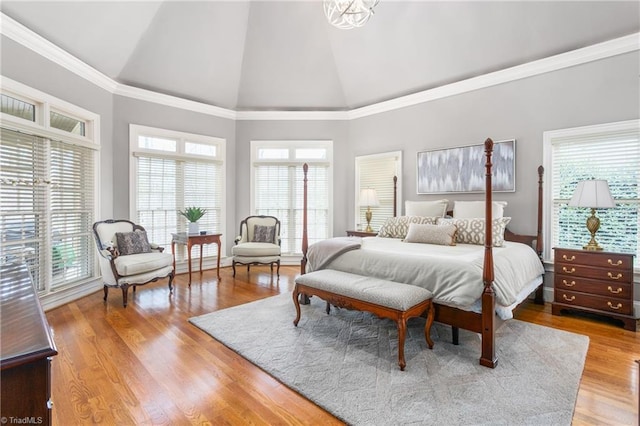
{"x":191,"y":240}
{"x":361,"y":234}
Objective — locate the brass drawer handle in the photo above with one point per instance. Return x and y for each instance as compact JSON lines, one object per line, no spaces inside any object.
{"x":571,"y":284}
{"x":571,"y":299}
{"x":569,"y":271}
{"x":619,"y":290}
{"x":618,"y":263}
{"x":568,"y":259}
{"x":617,"y":277}
{"x":618,"y":306}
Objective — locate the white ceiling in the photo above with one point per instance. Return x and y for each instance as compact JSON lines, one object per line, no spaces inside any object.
{"x":283,"y":55}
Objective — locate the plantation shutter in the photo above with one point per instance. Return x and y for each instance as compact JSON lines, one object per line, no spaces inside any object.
{"x":377,"y":172}
{"x":610,"y":155}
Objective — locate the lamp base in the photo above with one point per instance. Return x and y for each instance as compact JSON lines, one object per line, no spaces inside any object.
{"x":590,"y":247}
{"x":593,"y":224}
{"x":368,"y":217}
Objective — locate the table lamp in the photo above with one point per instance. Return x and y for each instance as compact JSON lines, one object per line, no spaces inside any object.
{"x":593,"y":194}
{"x":368,"y":199}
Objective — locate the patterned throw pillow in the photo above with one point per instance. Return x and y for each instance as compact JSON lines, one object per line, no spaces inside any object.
{"x":264,"y":234}
{"x":132,"y":242}
{"x":471,"y":230}
{"x":444,"y":235}
{"x":397,"y":227}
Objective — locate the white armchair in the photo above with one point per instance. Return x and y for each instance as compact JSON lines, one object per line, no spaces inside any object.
{"x":258,"y":243}
{"x":127,"y":259}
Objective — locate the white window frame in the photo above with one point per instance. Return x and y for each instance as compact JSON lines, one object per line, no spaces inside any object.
{"x":392,"y":156}
{"x":44,"y":103}
{"x":548,"y":139}
{"x":136,"y":130}
{"x":291,"y":146}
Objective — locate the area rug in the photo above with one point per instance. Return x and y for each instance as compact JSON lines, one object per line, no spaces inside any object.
{"x":347,"y":363}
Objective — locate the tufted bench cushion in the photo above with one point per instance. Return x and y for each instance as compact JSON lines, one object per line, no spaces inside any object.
{"x":386,"y":299}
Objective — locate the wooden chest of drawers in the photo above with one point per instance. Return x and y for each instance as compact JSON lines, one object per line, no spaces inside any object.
{"x":594,"y":281}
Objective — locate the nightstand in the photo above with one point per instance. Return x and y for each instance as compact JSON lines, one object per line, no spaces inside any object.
{"x":361,"y":234}
{"x":598,"y":282}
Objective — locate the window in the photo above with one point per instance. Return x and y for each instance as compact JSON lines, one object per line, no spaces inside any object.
{"x":377,"y":171}
{"x":172,"y":171}
{"x":48,"y":192}
{"x":610,"y":152}
{"x":277,"y":188}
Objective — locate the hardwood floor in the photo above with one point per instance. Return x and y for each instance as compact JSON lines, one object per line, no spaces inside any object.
{"x":147,"y":365}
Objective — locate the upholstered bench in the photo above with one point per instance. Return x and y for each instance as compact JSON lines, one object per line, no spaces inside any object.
{"x":386,"y":299}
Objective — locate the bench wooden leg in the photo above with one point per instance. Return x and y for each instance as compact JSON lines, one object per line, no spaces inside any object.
{"x":427,"y":326}
{"x":402,"y":334}
{"x":296,"y":303}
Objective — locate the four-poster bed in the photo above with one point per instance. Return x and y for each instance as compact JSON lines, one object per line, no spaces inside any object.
{"x":481,"y":319}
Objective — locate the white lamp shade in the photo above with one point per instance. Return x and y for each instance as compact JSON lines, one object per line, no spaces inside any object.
{"x":369,"y":197}
{"x":594,"y":194}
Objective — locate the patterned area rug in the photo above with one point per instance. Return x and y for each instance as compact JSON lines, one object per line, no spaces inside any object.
{"x":347,"y":362}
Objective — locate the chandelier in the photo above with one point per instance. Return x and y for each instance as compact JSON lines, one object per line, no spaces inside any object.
{"x":347,"y":14}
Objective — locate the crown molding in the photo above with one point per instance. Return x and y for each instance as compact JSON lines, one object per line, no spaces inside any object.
{"x":292,"y":115}
{"x":45,"y":48}
{"x":173,"y":101}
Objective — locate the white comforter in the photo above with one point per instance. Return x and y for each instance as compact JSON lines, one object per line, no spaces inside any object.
{"x":452,"y":273}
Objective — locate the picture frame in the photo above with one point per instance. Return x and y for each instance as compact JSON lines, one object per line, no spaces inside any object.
{"x":462,"y":169}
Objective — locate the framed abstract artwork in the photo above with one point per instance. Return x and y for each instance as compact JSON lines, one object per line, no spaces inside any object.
{"x":462,"y":169}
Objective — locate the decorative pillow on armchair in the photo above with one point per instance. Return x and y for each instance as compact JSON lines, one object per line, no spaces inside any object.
{"x":264,"y":234}
{"x":132,"y":242}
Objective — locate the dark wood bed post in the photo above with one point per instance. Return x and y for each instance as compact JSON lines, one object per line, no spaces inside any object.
{"x":305,"y":238}
{"x":539,"y":296}
{"x":488,"y":357}
{"x":395,"y":196}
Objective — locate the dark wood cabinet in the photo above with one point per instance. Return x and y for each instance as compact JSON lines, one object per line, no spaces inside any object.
{"x":26,"y":350}
{"x":594,"y":281}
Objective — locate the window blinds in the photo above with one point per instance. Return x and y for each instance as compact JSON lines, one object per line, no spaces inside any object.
{"x":278,"y":190}
{"x":47,"y":198}
{"x":166,"y":185}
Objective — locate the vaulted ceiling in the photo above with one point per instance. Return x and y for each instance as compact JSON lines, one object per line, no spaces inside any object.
{"x":283,"y":55}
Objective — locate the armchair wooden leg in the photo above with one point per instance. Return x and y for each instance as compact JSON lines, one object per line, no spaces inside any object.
{"x":278,"y":269}
{"x":125,"y":294}
{"x":171,"y":275}
{"x":106,"y":293}
{"x":233,"y":266}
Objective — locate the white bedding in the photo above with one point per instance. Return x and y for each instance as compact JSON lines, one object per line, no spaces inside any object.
{"x":452,"y":273}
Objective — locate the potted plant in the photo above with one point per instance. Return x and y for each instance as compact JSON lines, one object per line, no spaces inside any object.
{"x":193,"y":214}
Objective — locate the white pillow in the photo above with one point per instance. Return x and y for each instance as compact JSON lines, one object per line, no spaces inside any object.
{"x":473,"y":209}
{"x":437,"y":208}
{"x":444,"y":235}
